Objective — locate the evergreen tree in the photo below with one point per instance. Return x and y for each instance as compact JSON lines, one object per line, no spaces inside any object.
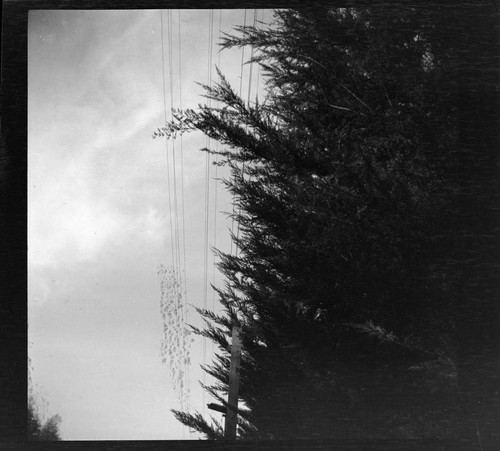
{"x":340,"y":181}
{"x":37,"y":428}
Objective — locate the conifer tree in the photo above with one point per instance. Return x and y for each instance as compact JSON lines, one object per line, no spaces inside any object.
{"x":339,"y":183}
{"x":42,"y":430}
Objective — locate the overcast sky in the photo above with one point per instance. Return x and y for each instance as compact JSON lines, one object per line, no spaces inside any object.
{"x":98,"y":212}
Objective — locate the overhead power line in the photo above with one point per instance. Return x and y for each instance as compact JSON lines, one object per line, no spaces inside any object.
{"x":216,"y":169}
{"x":173,"y":295}
{"x":248,"y":106}
{"x":240,"y":91}
{"x":207,"y":192}
{"x":182,"y":164}
{"x":184,"y":266}
{"x":172,"y":246}
{"x":174,"y":166}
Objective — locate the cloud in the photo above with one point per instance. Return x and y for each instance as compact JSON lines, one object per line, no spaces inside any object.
{"x":83,"y":142}
{"x":98,"y":219}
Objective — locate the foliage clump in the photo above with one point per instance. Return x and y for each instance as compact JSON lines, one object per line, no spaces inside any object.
{"x":339,"y":180}
{"x":39,"y":429}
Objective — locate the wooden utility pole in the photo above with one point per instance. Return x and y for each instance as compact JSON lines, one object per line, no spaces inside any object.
{"x":234,"y":383}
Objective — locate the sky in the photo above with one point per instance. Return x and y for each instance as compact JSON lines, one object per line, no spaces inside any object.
{"x":99,"y":214}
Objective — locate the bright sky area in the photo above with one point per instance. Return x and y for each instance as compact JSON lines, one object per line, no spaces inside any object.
{"x":98,"y":211}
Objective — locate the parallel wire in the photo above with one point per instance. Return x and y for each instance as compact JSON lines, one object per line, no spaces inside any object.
{"x":258,"y":65}
{"x":251,"y":57}
{"x":207,"y":196}
{"x":174,"y":235}
{"x":241,"y":87}
{"x":216,"y":180}
{"x":171,"y":86}
{"x":186,"y":319}
{"x":246,"y":125}
{"x":243,"y":54}
{"x":166,"y":142}
{"x":182,"y":168}
{"x":178,"y":263}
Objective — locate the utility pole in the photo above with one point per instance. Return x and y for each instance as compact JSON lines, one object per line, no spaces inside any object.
{"x":234,"y":383}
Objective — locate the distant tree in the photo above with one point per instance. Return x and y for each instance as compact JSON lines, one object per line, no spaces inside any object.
{"x":37,"y":428}
{"x":341,"y":179}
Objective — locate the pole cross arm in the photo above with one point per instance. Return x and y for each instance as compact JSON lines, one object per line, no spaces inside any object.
{"x":220,"y":408}
{"x":216,"y":407}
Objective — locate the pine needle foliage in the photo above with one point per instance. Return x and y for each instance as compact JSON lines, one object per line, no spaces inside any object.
{"x":338,"y":177}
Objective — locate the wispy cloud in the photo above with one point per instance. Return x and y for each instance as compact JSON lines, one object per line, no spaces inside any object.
{"x":82,"y":157}
{"x":99,"y":213}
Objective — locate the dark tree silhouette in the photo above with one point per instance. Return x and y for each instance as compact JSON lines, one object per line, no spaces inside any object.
{"x":345,"y":180}
{"x":39,"y":430}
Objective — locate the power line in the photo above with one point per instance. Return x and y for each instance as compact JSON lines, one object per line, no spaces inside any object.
{"x":171,"y":86}
{"x":182,"y":166}
{"x":207,"y":195}
{"x":185,"y":312}
{"x":180,"y":264}
{"x":243,"y":53}
{"x":216,"y":179}
{"x":177,"y":262}
{"x":241,"y":87}
{"x":251,"y":64}
{"x":258,"y":65}
{"x":166,"y":141}
{"x":246,"y":126}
